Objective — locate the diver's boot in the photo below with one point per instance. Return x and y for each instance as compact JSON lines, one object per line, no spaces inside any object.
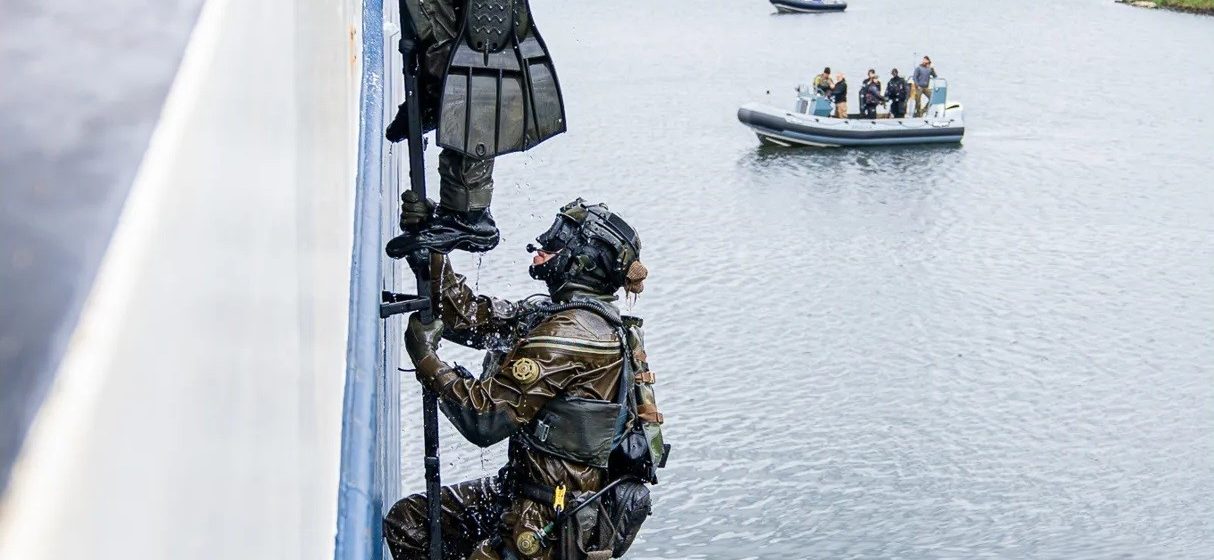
{"x":473,"y":231}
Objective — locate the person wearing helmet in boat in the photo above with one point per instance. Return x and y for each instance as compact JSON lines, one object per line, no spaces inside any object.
{"x":870,"y":95}
{"x":896,"y":92}
{"x":477,"y":120}
{"x":839,"y":94}
{"x":921,"y":84}
{"x":823,"y":83}
{"x":556,"y":370}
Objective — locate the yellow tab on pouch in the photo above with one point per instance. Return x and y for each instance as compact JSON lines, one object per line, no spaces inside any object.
{"x":558,"y":498}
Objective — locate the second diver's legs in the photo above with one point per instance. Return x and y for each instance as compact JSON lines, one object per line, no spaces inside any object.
{"x":463,"y":220}
{"x":472,"y":512}
{"x":467,"y":182}
{"x":841,"y":110}
{"x":436,"y":30}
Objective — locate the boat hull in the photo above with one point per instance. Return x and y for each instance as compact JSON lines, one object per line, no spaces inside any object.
{"x":808,"y":6}
{"x":784,"y":128}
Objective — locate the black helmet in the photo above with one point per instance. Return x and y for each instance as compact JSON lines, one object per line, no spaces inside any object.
{"x":595,"y":250}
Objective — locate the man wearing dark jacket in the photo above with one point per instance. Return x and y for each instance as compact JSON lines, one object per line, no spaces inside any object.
{"x":553,"y":371}
{"x":896,"y":92}
{"x":839,"y":95}
{"x":870,"y":95}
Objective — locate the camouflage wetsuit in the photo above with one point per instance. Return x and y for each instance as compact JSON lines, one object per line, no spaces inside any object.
{"x":530,"y":360}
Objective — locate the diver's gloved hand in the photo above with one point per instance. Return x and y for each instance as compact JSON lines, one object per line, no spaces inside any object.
{"x":415,"y":211}
{"x":399,"y":128}
{"x":415,"y":214}
{"x":421,"y":342}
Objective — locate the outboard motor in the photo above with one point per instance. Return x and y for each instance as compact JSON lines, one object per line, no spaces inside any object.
{"x":937,"y":105}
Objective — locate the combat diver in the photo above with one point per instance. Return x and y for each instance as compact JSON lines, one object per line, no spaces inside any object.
{"x":896,"y":92}
{"x":556,"y":369}
{"x":487,"y":84}
{"x":870,"y":95}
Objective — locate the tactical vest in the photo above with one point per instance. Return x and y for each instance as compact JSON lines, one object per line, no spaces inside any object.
{"x":587,"y":430}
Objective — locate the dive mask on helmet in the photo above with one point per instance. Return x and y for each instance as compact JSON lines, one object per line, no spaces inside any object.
{"x":553,"y":241}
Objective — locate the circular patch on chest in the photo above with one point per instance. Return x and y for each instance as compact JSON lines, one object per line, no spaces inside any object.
{"x":527,"y":544}
{"x":525,"y":370}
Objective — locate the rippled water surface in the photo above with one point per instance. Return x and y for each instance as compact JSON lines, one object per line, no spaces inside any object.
{"x":1000,"y":349}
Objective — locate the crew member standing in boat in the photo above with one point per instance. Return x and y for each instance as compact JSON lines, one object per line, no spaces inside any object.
{"x":564,"y":376}
{"x":896,"y":92}
{"x":822,"y":82}
{"x":922,"y":84}
{"x":839,"y":94}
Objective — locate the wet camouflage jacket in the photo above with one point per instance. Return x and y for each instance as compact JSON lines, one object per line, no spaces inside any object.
{"x":531,"y":359}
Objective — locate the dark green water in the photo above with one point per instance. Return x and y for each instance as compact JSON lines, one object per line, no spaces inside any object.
{"x":1003,"y":349}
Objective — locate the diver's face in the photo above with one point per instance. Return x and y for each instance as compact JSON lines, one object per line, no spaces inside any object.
{"x":542,"y":256}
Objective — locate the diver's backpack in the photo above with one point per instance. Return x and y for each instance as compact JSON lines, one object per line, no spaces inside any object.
{"x":640,"y":449}
{"x":872,"y":94}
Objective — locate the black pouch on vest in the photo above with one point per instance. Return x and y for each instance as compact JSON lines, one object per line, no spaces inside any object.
{"x":628,"y":505}
{"x":632,"y":457}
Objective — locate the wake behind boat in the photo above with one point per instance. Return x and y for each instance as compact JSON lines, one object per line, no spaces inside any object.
{"x":808,"y":6}
{"x":810,"y":124}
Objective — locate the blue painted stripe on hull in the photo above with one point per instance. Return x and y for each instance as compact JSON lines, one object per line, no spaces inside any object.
{"x":799,"y":137}
{"x":360,"y":486}
{"x":799,"y":10}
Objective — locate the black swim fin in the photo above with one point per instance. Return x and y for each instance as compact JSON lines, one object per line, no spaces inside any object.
{"x":500,"y":93}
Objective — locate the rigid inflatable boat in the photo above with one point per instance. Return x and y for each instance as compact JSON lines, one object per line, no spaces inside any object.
{"x":810,"y":123}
